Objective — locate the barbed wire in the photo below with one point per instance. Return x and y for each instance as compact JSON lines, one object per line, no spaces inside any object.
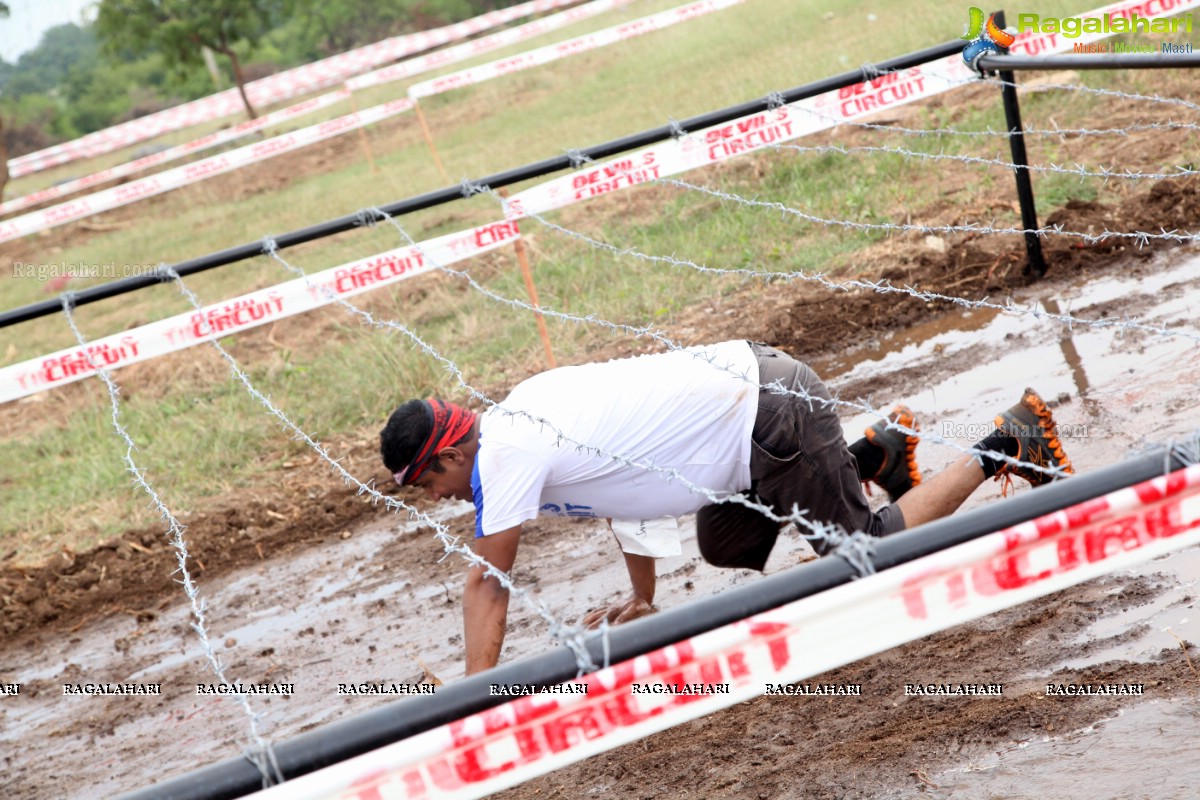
{"x":1026,"y":130}
{"x":1140,"y":238}
{"x":882,"y":286}
{"x":573,"y":636}
{"x":821,"y":534}
{"x":855,"y":548}
{"x":837,"y":541}
{"x":859,"y":406}
{"x":262,"y":755}
{"x":992,"y":78}
{"x":1078,"y":170}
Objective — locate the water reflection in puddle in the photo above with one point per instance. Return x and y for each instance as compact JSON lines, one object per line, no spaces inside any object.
{"x":989,"y":356}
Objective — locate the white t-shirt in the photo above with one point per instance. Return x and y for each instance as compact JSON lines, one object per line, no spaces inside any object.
{"x":691,"y":411}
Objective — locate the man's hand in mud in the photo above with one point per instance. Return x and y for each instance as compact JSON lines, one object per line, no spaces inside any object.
{"x":619,"y":612}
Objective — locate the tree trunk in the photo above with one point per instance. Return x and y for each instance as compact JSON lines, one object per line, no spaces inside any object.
{"x":237,"y":77}
{"x":3,"y":161}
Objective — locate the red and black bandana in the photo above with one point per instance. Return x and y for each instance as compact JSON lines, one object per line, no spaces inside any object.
{"x":450,"y":423}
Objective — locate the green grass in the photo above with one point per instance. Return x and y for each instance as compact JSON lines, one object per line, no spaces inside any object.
{"x":200,"y":435}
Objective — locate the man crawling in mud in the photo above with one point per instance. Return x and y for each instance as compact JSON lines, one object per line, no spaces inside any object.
{"x":678,"y":433}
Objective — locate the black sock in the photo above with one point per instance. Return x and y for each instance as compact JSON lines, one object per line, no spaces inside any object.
{"x":999,"y":443}
{"x":869,"y":458}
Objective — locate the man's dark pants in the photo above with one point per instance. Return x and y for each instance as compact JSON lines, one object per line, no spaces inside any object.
{"x":799,"y":459}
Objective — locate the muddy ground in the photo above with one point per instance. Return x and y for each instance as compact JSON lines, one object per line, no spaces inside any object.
{"x":309,"y":584}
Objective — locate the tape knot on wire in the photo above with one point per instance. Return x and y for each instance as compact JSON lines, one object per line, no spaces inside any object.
{"x":677,"y":131}
{"x":575,"y":638}
{"x":775,"y":100}
{"x":368,"y":217}
{"x":469,"y":188}
{"x":869,"y":71}
{"x":856,"y":549}
{"x":1184,"y":453}
{"x":577,"y":158}
{"x":263,"y":758}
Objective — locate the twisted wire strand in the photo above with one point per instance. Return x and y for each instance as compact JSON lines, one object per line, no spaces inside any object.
{"x":261,"y":754}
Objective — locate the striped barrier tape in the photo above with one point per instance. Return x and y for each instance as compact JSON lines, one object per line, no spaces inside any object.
{"x":214,"y":139}
{"x":477,"y":47}
{"x":580,"y":44}
{"x":545,"y":730}
{"x":250,"y":310}
{"x":404,"y":69}
{"x":116,"y":197}
{"x":274,"y":88}
{"x":165,"y":181}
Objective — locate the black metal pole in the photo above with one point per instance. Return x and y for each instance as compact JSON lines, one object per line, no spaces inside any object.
{"x":1036,"y":263}
{"x":506,"y":178}
{"x":368,"y":731}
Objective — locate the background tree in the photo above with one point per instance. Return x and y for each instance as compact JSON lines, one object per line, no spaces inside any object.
{"x":177,"y":29}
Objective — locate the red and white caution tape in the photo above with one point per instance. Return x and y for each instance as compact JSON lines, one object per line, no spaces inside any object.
{"x":404,"y":69}
{"x":204,"y":169}
{"x":764,"y":129}
{"x":486,"y":44}
{"x":250,"y":310}
{"x":272,"y":89}
{"x":535,"y":734}
{"x":580,"y":44}
{"x":214,"y":139}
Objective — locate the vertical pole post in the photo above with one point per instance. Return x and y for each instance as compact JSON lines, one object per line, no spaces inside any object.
{"x":1036,"y":263}
{"x":527,"y":274}
{"x":362,"y":137}
{"x":437,"y":160}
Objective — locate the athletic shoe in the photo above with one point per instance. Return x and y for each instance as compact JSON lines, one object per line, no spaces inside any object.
{"x":899,"y":472}
{"x":1032,"y":425}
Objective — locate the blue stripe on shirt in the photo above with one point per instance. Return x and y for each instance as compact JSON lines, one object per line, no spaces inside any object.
{"x":477,"y":494}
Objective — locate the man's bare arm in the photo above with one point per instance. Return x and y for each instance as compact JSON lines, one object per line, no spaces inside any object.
{"x":643,"y":578}
{"x":485,"y":601}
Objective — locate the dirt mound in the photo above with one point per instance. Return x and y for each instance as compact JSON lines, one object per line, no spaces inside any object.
{"x":135,"y":573}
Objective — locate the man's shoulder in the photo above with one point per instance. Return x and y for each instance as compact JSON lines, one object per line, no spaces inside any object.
{"x":502,"y":428}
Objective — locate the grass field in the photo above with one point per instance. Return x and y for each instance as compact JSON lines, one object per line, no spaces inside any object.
{"x":200,"y":436}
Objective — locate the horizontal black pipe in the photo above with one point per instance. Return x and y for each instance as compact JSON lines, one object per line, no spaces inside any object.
{"x":367,"y":731}
{"x":496,"y":181}
{"x":1091,"y":61}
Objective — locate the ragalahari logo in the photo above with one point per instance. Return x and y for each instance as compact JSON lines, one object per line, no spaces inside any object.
{"x":984,"y":39}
